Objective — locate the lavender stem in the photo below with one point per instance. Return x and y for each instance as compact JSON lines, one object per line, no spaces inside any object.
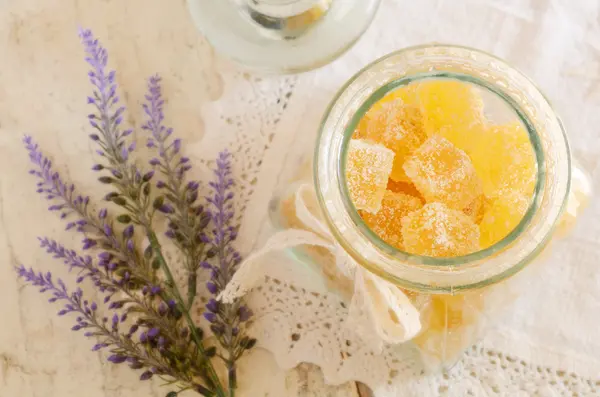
{"x":175,"y":292}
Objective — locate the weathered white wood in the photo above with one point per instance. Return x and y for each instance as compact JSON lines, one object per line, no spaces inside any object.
{"x":43,"y":86}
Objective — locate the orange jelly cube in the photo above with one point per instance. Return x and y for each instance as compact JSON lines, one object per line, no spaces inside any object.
{"x":398,"y":127}
{"x":368,"y":167}
{"x":387,"y":222}
{"x":438,"y":231}
{"x":404,"y":187}
{"x":443,"y":173}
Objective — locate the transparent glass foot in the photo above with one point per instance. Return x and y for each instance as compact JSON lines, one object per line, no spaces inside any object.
{"x":282,"y":35}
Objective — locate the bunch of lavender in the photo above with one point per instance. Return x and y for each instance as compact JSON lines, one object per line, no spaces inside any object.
{"x":144,"y":320}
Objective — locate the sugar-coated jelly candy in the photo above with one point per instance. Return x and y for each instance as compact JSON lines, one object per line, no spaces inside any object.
{"x":387,"y":222}
{"x":408,"y":94}
{"x":476,"y":208}
{"x":443,"y":173}
{"x":368,"y":168}
{"x":451,"y":109}
{"x":502,"y":215}
{"x":404,"y":187}
{"x":439,"y":231}
{"x":506,"y":160}
{"x":398,"y":127}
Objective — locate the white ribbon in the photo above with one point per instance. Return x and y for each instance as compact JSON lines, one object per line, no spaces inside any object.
{"x":379,"y":312}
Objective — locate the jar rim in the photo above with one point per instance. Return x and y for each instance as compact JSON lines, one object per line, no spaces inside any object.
{"x":445,"y":261}
{"x":432,"y":264}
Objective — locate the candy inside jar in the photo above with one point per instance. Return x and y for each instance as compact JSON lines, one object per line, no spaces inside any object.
{"x":444,"y":172}
{"x":434,"y":172}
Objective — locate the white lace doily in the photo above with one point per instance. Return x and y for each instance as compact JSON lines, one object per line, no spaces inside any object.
{"x":546,"y":344}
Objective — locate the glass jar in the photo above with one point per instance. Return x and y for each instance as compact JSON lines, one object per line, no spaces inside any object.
{"x":456,"y":297}
{"x":282,"y":36}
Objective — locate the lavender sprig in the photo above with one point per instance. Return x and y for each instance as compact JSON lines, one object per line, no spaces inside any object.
{"x":133,"y":186}
{"x":161,"y":337}
{"x":187,"y":218}
{"x":227,"y":319}
{"x":99,"y":231}
{"x":148,"y":353}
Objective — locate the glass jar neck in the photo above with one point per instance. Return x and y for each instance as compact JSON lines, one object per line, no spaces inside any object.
{"x":436,"y":274}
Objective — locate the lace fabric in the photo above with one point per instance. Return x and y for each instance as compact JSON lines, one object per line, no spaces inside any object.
{"x":549,"y":347}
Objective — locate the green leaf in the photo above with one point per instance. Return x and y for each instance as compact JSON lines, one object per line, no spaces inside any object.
{"x":158,"y":202}
{"x":211,"y":351}
{"x":148,"y":252}
{"x":119,"y":201}
{"x":204,"y":220}
{"x":124,"y":218}
{"x":250,"y":344}
{"x":111,"y":196}
{"x":106,"y":179}
{"x":211,"y":253}
{"x":171,"y":394}
{"x":146,"y":189}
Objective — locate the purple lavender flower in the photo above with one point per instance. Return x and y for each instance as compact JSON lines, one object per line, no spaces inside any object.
{"x":52,"y":186}
{"x":115,"y":145}
{"x":226,"y":319}
{"x":66,"y":200}
{"x":144,"y":323}
{"x":123,"y":349}
{"x":186,"y":218}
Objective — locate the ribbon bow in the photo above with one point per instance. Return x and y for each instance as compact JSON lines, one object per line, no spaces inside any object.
{"x":379,"y":312}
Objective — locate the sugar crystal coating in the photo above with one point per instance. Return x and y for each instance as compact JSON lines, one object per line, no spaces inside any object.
{"x":408,"y":94}
{"x":438,"y":231}
{"x":368,"y":167}
{"x":398,"y":127}
{"x":443,"y":173}
{"x":387,"y":222}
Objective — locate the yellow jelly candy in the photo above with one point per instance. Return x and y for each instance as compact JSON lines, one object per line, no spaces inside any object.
{"x":387,"y":222}
{"x":439,"y":231}
{"x":368,"y":167}
{"x":476,"y":208}
{"x":443,"y":173}
{"x":451,"y":311}
{"x":452,"y":109}
{"x":408,"y":94}
{"x":502,"y":215}
{"x":404,"y":187}
{"x":506,"y":160}
{"x":450,"y":325}
{"x":398,"y":127}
